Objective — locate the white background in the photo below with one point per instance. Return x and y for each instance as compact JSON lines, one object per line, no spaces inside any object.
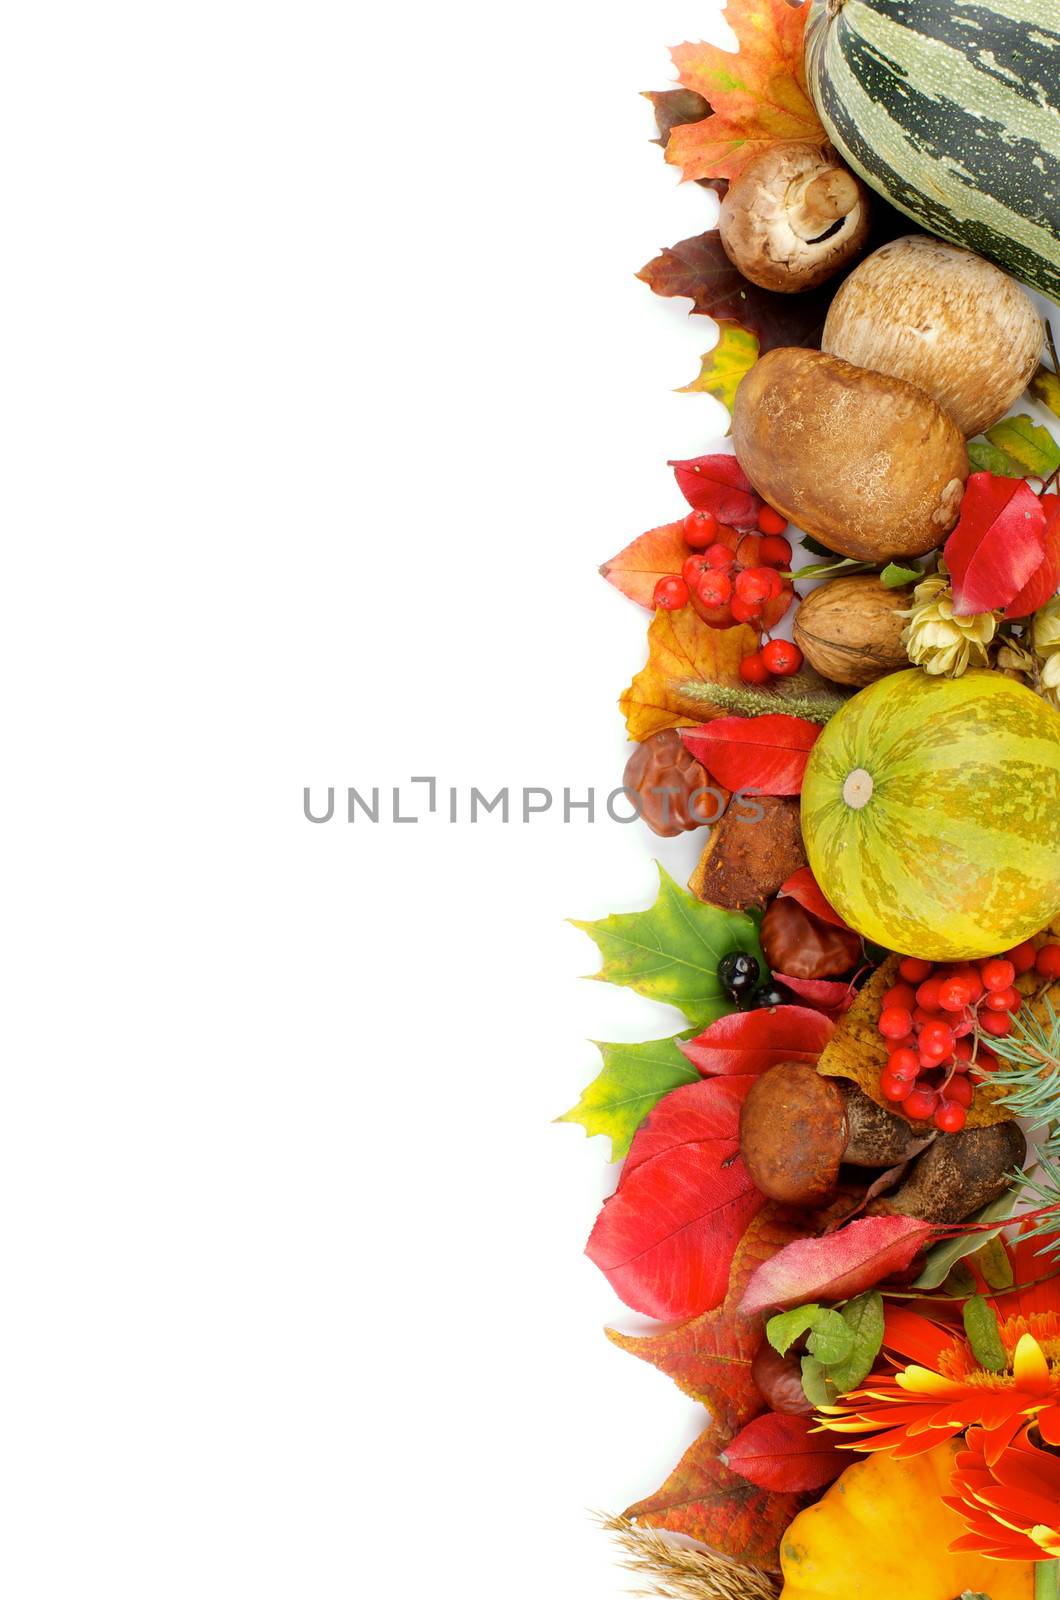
{"x":326,"y":385}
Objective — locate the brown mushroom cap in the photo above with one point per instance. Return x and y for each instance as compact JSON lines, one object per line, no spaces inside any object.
{"x":794,"y":217}
{"x":793,"y":1132}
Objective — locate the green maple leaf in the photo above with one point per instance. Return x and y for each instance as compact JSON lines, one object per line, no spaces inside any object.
{"x":1016,"y":447}
{"x":633,"y":1080}
{"x":724,"y":368}
{"x":671,"y":952}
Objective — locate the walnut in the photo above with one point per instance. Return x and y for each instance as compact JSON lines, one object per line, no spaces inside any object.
{"x":850,"y":630}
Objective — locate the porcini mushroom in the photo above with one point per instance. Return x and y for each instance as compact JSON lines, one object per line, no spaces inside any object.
{"x":961,"y":1173}
{"x":797,"y":1128}
{"x":794,"y":217}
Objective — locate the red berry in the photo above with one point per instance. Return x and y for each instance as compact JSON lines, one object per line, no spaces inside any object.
{"x":920,"y":1016}
{"x":970,"y":976}
{"x":928,"y":994}
{"x":743,"y":611}
{"x":693,"y":568}
{"x":771,"y":521}
{"x":1047,"y":961}
{"x":894,"y":1088}
{"x":1022,"y":957}
{"x":671,"y":593}
{"x":895,"y":1022}
{"x":950,"y":1117}
{"x":955,"y":993}
{"x":963,"y":1051}
{"x":782,"y":658}
{"x":1004,"y":1000}
{"x":749,"y":551}
{"x":753,"y":669}
{"x":700,"y":528}
{"x":920,"y":1105}
{"x":903,"y":994}
{"x":902,"y":1063}
{"x":936,"y":1040}
{"x":755,"y":584}
{"x":997,"y":1023}
{"x":961,"y":1090}
{"x":998,"y":973}
{"x":714,"y":588}
{"x":719,"y":556}
{"x":913,"y":970}
{"x":775,"y":552}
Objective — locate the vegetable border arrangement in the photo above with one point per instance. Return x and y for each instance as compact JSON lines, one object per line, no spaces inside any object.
{"x":839,"y":1192}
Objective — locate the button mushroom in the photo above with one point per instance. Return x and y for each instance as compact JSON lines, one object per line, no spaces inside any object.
{"x":797,"y":1128}
{"x":794,"y":217}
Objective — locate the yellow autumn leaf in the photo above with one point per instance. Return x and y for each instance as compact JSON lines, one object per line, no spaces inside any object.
{"x":723,"y":368}
{"x":682,"y":648}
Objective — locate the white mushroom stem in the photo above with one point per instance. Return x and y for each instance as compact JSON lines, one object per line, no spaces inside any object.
{"x":815,"y":206}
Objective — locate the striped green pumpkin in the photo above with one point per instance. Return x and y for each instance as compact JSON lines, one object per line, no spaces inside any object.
{"x":951,"y":108}
{"x":931,"y":813}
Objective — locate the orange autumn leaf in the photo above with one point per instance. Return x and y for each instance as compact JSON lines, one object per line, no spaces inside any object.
{"x":704,"y":1500}
{"x":759,"y":95}
{"x":659,"y":553}
{"x":710,"y":1356}
{"x":681,"y":648}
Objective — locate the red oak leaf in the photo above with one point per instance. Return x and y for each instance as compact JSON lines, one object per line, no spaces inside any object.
{"x":699,"y":270}
{"x":838,"y":1265}
{"x":665,"y":1240}
{"x":710,"y":1357}
{"x":719,"y":484}
{"x":705,"y":1500}
{"x":767,"y":754}
{"x":637,"y":569}
{"x":998,"y":543}
{"x":746,"y":1043}
{"x":785,"y":1454}
{"x":1043,"y":585}
{"x":803,"y":887}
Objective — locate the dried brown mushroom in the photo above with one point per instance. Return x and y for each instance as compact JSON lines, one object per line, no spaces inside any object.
{"x":797,"y":1129}
{"x":794,"y":217}
{"x":958,"y":1175}
{"x":756,"y":847}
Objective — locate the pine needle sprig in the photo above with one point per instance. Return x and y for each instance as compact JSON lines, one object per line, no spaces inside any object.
{"x":1029,"y":1076}
{"x":673,"y":1572}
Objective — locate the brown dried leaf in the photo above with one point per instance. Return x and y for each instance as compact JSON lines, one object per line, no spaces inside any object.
{"x":857,"y":1052}
{"x":682,"y":648}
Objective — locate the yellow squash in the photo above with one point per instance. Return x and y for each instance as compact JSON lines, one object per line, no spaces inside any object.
{"x":882,"y":1531}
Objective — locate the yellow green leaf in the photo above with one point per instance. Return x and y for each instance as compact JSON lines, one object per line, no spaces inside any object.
{"x":633,"y":1080}
{"x":1018,"y":448}
{"x":723,"y":369}
{"x":1045,"y":386}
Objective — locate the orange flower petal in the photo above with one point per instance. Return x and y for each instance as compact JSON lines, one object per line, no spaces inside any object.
{"x":918,"y":1380}
{"x":1029,"y":1366}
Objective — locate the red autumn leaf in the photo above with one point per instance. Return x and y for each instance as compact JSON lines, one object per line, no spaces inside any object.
{"x":705,"y":1500}
{"x":785,"y":1454}
{"x":998,"y":543}
{"x":838,"y":1265}
{"x":746,"y":1043}
{"x":803,"y":887}
{"x":699,"y":270}
{"x":666,"y":1239}
{"x":719,"y":484}
{"x":637,"y":569}
{"x":710,"y":1357}
{"x":831,"y":995}
{"x":1043,"y":585}
{"x":767,"y":754}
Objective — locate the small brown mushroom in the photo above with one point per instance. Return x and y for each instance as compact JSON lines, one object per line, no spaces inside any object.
{"x":958,"y":1175}
{"x":794,"y":217}
{"x":797,"y":1128}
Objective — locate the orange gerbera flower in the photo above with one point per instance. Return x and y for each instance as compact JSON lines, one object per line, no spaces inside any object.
{"x":935,"y":1388}
{"x":1011,"y":1506}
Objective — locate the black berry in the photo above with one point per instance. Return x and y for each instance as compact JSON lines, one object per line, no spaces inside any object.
{"x":772,"y":994}
{"x":739,"y":974}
